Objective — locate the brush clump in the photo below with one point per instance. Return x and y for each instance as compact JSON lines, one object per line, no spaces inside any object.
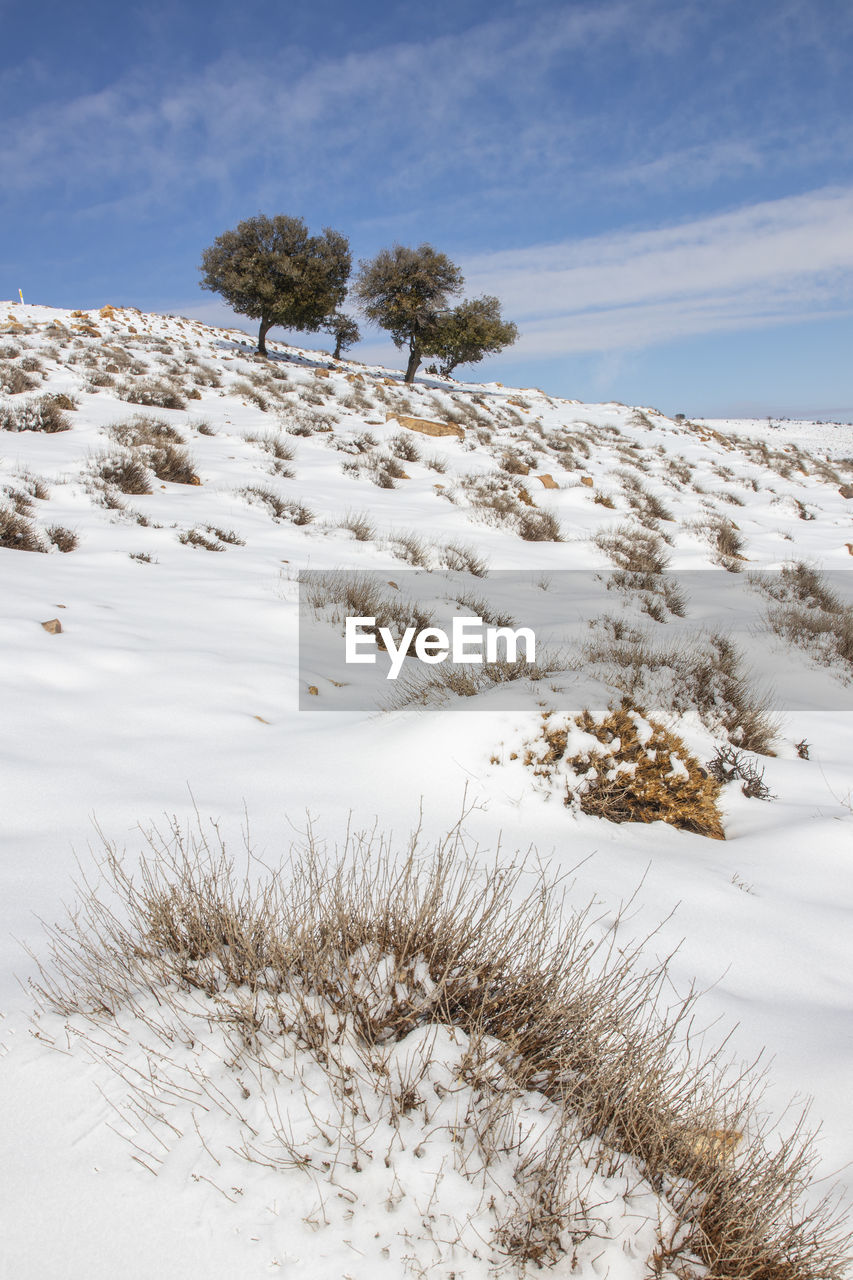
{"x":627,"y":768}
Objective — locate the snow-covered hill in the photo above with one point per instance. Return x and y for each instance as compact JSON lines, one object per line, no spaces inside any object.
{"x":174,"y":683}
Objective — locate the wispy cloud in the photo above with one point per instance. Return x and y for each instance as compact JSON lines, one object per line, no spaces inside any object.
{"x":768,"y":264}
{"x":395,"y":119}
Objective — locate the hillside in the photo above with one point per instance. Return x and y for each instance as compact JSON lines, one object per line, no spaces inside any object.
{"x":161,"y":489}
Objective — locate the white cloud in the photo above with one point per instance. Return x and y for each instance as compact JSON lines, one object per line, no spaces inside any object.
{"x":770,"y":263}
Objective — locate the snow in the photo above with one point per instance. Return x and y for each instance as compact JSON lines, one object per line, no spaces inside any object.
{"x":176,"y":686}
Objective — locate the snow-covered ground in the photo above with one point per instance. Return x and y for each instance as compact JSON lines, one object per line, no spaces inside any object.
{"x":175,"y":686}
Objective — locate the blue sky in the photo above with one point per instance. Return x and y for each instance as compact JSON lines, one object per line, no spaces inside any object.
{"x":660,"y":192}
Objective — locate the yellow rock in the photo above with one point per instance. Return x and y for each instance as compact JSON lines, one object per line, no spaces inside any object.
{"x":425,"y":427}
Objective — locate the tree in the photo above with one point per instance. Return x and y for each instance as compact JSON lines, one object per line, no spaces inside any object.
{"x":469,"y":332}
{"x":272,"y":270}
{"x":343,"y":329}
{"x":404,"y":291}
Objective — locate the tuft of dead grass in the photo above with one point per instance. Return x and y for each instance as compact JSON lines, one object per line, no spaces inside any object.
{"x":632,"y":769}
{"x":381,"y":944}
{"x":124,"y":471}
{"x":809,"y":614}
{"x":279,"y":508}
{"x":17,"y":533}
{"x":706,"y":675}
{"x":40,"y":414}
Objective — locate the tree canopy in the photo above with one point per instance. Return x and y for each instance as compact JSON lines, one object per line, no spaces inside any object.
{"x":344,"y":329}
{"x":272,"y":270}
{"x":468,"y":332}
{"x":404,"y":291}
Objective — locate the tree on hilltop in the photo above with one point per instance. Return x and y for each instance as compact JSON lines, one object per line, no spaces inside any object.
{"x":404,"y":291}
{"x":468,"y":332}
{"x":272,"y":270}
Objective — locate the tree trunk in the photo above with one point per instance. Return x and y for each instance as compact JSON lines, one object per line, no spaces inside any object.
{"x":414,"y":361}
{"x":337,"y":354}
{"x":266,"y":325}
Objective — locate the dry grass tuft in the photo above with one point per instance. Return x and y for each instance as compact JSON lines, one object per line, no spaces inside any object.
{"x":154,"y":393}
{"x":809,"y":614}
{"x":279,"y":508}
{"x":642,"y":560}
{"x":632,"y":770}
{"x":707,"y":676}
{"x":359,"y":524}
{"x":63,"y":539}
{"x":280,"y":451}
{"x":41,"y":414}
{"x":141,"y":430}
{"x":17,"y":533}
{"x":173,"y":464}
{"x":124,"y":471}
{"x":463,"y":559}
{"x":373,"y":946}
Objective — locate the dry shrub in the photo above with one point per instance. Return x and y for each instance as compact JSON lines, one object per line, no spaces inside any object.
{"x":281,"y":452}
{"x":339,"y":595}
{"x":171,"y":463}
{"x":204,"y":539}
{"x":436,"y":685}
{"x":512,"y":462}
{"x":63,"y":539}
{"x":404,"y":446}
{"x":359,"y":525}
{"x":154,"y":393}
{"x":140,"y":430}
{"x":726,"y":541}
{"x":730,"y":765}
{"x":249,"y":391}
{"x":463,"y":559}
{"x":14,"y":380}
{"x":642,"y":560}
{"x":493,"y":497}
{"x":279,"y":508}
{"x":371,"y":945}
{"x":17,"y":533}
{"x":539,"y":526}
{"x":410,"y":548}
{"x":42,"y":414}
{"x":229,"y":536}
{"x":707,"y":676}
{"x":647,"y":505}
{"x":384,"y":469}
{"x":635,"y":550}
{"x":124,"y":471}
{"x":809,"y":614}
{"x":634,"y":770}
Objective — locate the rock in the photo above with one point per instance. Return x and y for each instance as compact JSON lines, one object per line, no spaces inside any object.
{"x":425,"y":427}
{"x":321,"y":373}
{"x":548,"y":481}
{"x":53,"y":627}
{"x":846,"y":491}
{"x":588,"y":481}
